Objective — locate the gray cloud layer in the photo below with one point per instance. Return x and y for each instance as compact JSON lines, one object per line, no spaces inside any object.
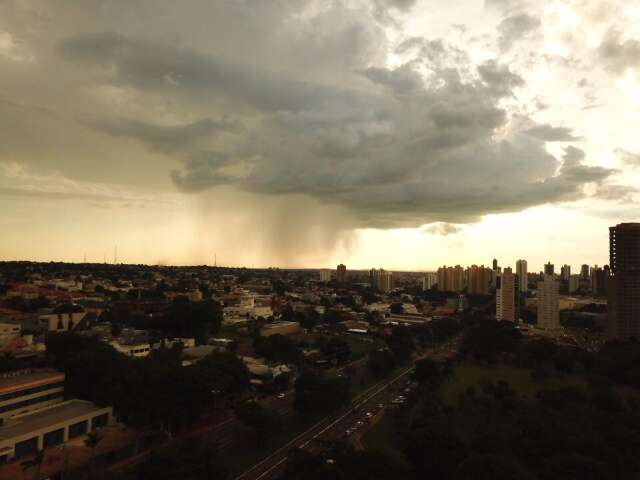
{"x":284,"y":97}
{"x":400,"y":150}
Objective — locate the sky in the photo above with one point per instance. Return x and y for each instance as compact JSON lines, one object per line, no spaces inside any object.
{"x":402,"y":134}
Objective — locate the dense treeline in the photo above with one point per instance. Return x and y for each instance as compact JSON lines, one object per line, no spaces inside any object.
{"x":146,"y":391}
{"x":586,"y":429}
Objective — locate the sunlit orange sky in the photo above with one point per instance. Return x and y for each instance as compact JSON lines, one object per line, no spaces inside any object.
{"x":403,"y":134}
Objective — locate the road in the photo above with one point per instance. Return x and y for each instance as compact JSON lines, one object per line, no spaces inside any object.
{"x":336,"y":426}
{"x":328,"y":428}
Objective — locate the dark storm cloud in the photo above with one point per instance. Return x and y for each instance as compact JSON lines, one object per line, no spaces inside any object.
{"x":549,"y":133}
{"x":183,"y":71}
{"x":402,"y":80}
{"x":629,"y":158}
{"x":499,"y":78}
{"x":619,"y":193}
{"x":619,"y":54}
{"x":442,"y":229}
{"x":515,"y":27}
{"x":166,"y":138}
{"x":277,"y":99}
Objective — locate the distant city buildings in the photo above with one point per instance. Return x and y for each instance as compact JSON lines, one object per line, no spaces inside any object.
{"x":451,"y":279}
{"x":548,"y":308}
{"x":478,"y":280}
{"x":521,"y":271}
{"x":623,"y":285}
{"x":381,"y":279}
{"x":429,"y":280}
{"x":325,"y":275}
{"x":506,"y":296}
{"x":35,"y":416}
{"x":565,"y":273}
{"x":549,"y":268}
{"x":341,"y":273}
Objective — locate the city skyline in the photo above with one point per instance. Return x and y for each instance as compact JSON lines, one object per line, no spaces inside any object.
{"x":374,"y":143}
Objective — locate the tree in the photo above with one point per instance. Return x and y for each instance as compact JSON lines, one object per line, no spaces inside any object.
{"x":92,"y":441}
{"x":491,"y":467}
{"x":259,"y":419}
{"x":381,"y":361}
{"x":316,"y":393}
{"x":573,"y":467}
{"x":401,"y":344}
{"x":396,"y":308}
{"x":434,"y":452}
{"x":432,"y":372}
{"x":35,"y":462}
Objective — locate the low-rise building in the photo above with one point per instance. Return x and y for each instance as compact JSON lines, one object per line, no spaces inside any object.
{"x":280,"y":328}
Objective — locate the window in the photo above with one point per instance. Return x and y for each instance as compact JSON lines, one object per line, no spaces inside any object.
{"x":30,"y":391}
{"x":53,"y":438}
{"x":100,"y":421}
{"x":31,"y":401}
{"x":78,"y":429}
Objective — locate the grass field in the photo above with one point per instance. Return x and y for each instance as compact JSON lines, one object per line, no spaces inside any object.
{"x":474,"y":375}
{"x":361,"y":346}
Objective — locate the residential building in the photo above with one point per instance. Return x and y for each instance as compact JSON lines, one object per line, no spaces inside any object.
{"x":478,"y":280}
{"x":584,"y":271}
{"x":61,"y":322}
{"x":341,"y":273}
{"x":495,"y":264}
{"x":574,"y":283}
{"x":25,"y":390}
{"x":623,"y":284}
{"x":548,"y":310}
{"x":9,"y":330}
{"x":325,"y":275}
{"x":548,"y":268}
{"x":565,"y":274}
{"x":34,"y":415}
{"x":451,"y":279}
{"x":506,"y":301}
{"x":521,"y":271}
{"x":381,"y":279}
{"x":429,"y":280}
{"x":280,"y":328}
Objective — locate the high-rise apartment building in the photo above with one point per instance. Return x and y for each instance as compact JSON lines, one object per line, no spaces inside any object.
{"x":623,"y":285}
{"x":548,"y":309}
{"x":521,"y":271}
{"x":574,"y":283}
{"x":549,"y":268}
{"x":495,"y":264}
{"x":451,"y":279}
{"x":341,"y":273}
{"x":429,"y":280}
{"x":478,"y":280}
{"x":381,"y":279}
{"x":325,"y":275}
{"x":565,"y":273}
{"x":584,"y":271}
{"x":506,"y":301}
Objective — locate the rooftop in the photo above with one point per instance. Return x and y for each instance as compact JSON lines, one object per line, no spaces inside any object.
{"x":29,"y":422}
{"x":28,"y":378}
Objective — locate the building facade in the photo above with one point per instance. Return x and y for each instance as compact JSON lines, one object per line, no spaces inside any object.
{"x":521,"y":271}
{"x":623,"y":284}
{"x":325,"y":275}
{"x":479,"y":280}
{"x":548,"y":308}
{"x":506,"y":303}
{"x":341,"y":273}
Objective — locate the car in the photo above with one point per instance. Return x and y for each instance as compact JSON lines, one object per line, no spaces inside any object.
{"x":348,"y":432}
{"x":281,"y":396}
{"x":368,"y":414}
{"x":380,"y":406}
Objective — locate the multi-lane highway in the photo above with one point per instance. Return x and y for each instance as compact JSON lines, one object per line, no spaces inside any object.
{"x":329,"y":428}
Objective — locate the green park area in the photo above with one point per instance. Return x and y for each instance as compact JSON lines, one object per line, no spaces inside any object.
{"x":521,"y":380}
